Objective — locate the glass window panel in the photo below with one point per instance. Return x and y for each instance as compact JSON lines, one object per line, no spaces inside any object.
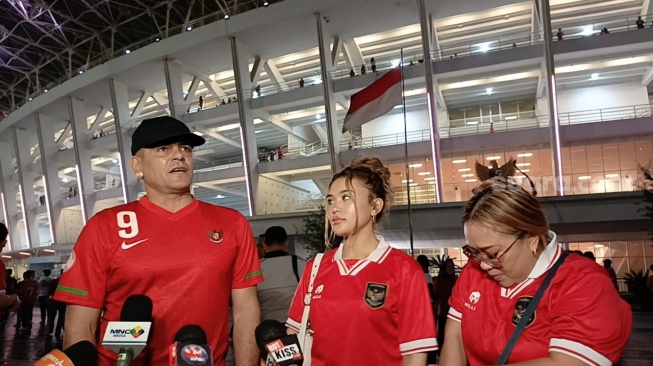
{"x":627,"y":156}
{"x":611,"y":156}
{"x":636,"y":263}
{"x":648,"y":249}
{"x":644,"y":151}
{"x":635,"y":249}
{"x":618,"y":249}
{"x":509,"y":107}
{"x":620,"y":265}
{"x":594,"y":158}
{"x":649,"y":263}
{"x":578,"y":158}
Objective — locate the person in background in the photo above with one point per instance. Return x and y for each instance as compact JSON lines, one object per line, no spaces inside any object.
{"x":28,"y":290}
{"x":10,"y":283}
{"x":580,"y":318}
{"x":649,"y":281}
{"x":282,"y":272}
{"x":44,"y":284}
{"x":607,"y":264}
{"x":11,"y":302}
{"x":157,"y":246}
{"x":370,"y":304}
{"x":432,"y":357}
{"x":56,"y":309}
{"x":443,"y":288}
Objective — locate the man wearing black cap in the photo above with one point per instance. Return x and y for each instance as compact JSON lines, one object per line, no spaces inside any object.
{"x":188,"y":256}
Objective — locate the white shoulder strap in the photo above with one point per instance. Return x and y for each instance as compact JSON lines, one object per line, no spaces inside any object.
{"x":307,"y":298}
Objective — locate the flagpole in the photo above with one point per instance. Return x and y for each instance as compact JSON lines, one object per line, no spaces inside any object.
{"x":410,"y":210}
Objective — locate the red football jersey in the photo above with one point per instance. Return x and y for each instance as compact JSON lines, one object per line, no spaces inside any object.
{"x":187,"y":262}
{"x":366,"y":312}
{"x":580,"y":314}
{"x":28,"y":291}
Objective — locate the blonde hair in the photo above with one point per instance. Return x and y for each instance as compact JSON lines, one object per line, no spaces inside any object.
{"x":507,"y":209}
{"x":372,"y":174}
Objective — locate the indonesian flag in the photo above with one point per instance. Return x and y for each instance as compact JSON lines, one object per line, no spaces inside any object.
{"x":375,"y":100}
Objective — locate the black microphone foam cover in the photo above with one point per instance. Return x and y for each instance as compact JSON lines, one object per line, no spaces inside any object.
{"x":82,"y":353}
{"x":191,"y":333}
{"x":268,"y":331}
{"x":137,"y":308}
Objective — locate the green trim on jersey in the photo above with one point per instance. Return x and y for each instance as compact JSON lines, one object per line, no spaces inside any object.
{"x":71,"y":290}
{"x":253,"y":274}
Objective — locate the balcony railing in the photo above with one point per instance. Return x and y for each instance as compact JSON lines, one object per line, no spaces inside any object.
{"x":207,"y":166}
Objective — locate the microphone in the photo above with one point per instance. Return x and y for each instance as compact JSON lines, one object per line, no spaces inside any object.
{"x":82,"y":353}
{"x":190,"y":347}
{"x":277,"y":347}
{"x":128,"y":336}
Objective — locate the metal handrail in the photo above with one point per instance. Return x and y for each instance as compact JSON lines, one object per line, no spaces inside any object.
{"x":207,"y":166}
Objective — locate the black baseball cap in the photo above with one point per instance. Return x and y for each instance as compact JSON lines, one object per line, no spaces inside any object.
{"x":161,"y":131}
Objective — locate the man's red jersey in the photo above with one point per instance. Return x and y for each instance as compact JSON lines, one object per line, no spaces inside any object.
{"x":187,"y":262}
{"x":28,"y":291}
{"x":366,"y":312}
{"x":3,"y":277}
{"x":580,"y":314}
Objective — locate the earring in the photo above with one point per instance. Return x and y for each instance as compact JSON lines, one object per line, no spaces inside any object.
{"x":139,"y":175}
{"x":373,"y":216}
{"x":535,"y":253}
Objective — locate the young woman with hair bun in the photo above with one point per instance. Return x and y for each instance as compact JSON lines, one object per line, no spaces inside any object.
{"x":370,"y":304}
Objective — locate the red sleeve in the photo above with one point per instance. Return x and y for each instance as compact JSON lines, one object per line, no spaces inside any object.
{"x":247,"y":270}
{"x":416,"y":323}
{"x":84,"y":279}
{"x":461,"y":292}
{"x":297,"y":306}
{"x":590,"y":320}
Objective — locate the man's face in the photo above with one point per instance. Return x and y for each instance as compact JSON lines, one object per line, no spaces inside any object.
{"x":166,"y":169}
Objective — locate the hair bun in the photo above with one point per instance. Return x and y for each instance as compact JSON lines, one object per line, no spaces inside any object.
{"x":373,"y":164}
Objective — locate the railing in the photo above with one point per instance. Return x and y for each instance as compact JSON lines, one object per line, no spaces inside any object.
{"x":377,"y":141}
{"x":613,"y":26}
{"x":207,"y":166}
{"x":313,"y":203}
{"x":606,"y":114}
{"x":310,"y":149}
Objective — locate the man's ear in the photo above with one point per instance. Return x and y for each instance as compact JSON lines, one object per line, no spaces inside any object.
{"x":377,"y":204}
{"x":135,"y":163}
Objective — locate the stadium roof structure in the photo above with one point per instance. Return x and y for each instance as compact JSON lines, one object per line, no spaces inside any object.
{"x":43,"y":42}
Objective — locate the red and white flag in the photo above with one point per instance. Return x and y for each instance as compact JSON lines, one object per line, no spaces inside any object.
{"x":374,"y":101}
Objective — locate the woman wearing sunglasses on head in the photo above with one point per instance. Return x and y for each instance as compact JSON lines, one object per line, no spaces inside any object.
{"x":580,"y":318}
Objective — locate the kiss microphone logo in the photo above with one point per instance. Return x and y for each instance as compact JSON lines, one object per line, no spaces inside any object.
{"x":193,"y":354}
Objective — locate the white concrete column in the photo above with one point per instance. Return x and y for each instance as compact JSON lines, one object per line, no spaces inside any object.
{"x":248,"y":137}
{"x":8,"y":195}
{"x":50,"y":166}
{"x":121,"y":116}
{"x":23,"y":141}
{"x":83,"y":167}
{"x":334,"y":133}
{"x":175,"y":88}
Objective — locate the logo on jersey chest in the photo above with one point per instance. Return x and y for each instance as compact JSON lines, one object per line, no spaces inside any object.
{"x":474,"y":298}
{"x":520,"y":308}
{"x":215,"y":236}
{"x":376,"y":294}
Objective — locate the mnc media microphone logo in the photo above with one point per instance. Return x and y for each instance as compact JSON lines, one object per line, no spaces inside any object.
{"x":122,"y":333}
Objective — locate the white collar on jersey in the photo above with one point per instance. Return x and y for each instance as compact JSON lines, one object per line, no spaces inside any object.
{"x":547,"y":258}
{"x":377,"y":255}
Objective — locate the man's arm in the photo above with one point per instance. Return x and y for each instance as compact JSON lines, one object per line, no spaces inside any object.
{"x":247,"y":315}
{"x":81,"y":325}
{"x":9,"y":301}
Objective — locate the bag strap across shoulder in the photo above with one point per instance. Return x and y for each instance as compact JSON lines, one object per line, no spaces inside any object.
{"x":531,"y":309}
{"x":307,"y":299}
